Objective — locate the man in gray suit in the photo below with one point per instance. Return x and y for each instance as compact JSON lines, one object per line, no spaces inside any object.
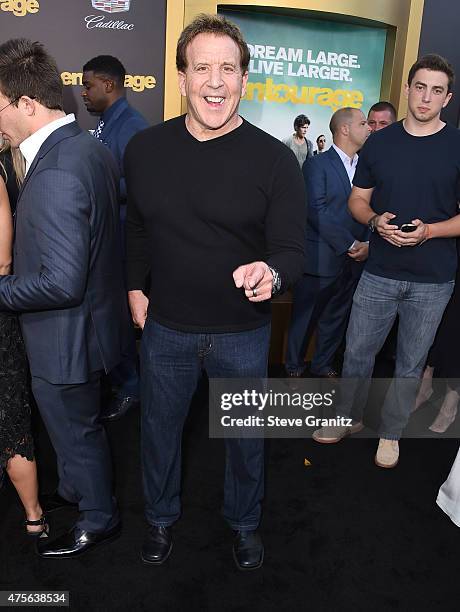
{"x":66,"y":284}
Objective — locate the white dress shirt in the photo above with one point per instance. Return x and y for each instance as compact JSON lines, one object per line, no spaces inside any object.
{"x":348,"y":162}
{"x":31,"y":145}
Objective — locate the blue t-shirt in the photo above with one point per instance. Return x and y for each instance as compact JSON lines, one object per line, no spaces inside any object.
{"x":414,"y":177}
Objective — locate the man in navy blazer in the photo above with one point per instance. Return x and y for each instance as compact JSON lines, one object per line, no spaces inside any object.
{"x":335,"y":244}
{"x":67,"y":284}
{"x":104,"y":94}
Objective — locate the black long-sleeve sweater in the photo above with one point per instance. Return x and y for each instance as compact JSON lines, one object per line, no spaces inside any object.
{"x":198,"y":210}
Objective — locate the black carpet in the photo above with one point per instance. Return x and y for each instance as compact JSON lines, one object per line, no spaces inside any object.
{"x":340,"y":534}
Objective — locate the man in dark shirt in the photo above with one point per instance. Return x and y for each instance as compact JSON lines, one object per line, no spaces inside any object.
{"x":104,"y":94}
{"x":411,"y":170}
{"x":215,"y":222}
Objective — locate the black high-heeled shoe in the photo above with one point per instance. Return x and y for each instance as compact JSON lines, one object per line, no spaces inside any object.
{"x":43,"y":533}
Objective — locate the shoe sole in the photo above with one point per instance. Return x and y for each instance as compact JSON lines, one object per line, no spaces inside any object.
{"x":248,"y":569}
{"x":330,"y":440}
{"x":149,"y":562}
{"x":78,"y":554}
{"x":388,"y":467}
{"x":352,"y":430}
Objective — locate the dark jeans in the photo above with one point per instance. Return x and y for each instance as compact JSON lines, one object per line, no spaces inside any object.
{"x":171,"y":363}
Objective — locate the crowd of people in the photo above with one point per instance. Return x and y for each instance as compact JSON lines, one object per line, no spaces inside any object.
{"x":107,"y":235}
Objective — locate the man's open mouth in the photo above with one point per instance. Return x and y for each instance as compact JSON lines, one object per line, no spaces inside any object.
{"x":214,"y":99}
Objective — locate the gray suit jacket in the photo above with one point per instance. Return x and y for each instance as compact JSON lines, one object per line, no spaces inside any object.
{"x":67,"y":280}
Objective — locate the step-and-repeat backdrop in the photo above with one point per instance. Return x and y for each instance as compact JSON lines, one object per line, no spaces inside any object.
{"x":75,"y":31}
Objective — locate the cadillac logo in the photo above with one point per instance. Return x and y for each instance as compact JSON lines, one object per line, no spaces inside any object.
{"x":111,"y":6}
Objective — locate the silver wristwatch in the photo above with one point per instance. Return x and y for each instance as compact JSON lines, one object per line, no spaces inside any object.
{"x":276,"y":280}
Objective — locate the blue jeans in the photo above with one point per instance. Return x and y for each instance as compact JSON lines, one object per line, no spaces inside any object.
{"x":171,"y":364}
{"x":376,"y":303}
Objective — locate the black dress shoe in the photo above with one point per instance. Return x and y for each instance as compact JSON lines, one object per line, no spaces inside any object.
{"x":118,"y":407}
{"x":157,"y":545}
{"x":76,"y":542}
{"x":331,"y":373}
{"x":248,"y":550}
{"x":54,"y":501}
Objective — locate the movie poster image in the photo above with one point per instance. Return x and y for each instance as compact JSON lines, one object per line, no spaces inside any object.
{"x":307,"y":66}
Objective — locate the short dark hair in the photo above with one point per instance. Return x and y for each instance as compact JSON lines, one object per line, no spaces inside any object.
{"x":210,"y":24}
{"x":300,"y":121}
{"x":382,"y":106}
{"x":433,"y":62}
{"x":107,"y":66}
{"x":27,"y":69}
{"x":320,"y":136}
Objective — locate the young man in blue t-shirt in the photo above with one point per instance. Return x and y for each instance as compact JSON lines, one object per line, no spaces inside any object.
{"x":411,"y":170}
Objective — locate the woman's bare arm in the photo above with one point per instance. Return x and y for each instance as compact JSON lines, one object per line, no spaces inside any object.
{"x":6,"y":230}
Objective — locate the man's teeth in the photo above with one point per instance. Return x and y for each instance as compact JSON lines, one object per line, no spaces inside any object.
{"x":214,"y":99}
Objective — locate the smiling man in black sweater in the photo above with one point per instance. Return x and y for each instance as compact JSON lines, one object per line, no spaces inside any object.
{"x":216,"y":220}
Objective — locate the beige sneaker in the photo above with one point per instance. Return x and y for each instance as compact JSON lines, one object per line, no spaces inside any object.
{"x":387,"y":453}
{"x":331,"y":435}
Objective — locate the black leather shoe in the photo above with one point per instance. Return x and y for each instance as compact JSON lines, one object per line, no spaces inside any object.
{"x":157,"y":545}
{"x":331,"y":373}
{"x":118,"y":407}
{"x":54,"y":501}
{"x":76,"y":542}
{"x":248,"y":550}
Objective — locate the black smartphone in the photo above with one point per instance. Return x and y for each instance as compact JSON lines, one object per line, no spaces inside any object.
{"x":408,"y":227}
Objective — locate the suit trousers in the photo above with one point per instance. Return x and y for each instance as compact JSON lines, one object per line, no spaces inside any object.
{"x":125,"y":375}
{"x":70,"y":414}
{"x":333,"y":321}
{"x":324,"y":303}
{"x":310,"y":296}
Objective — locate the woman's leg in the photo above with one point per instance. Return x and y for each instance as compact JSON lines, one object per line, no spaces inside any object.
{"x":447,"y":413}
{"x":23,"y":475}
{"x":426,"y":388}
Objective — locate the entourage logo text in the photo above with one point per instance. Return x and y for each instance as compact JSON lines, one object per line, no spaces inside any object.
{"x":20,"y":8}
{"x":136,"y":82}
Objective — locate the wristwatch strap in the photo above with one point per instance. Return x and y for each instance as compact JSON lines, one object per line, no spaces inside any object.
{"x":276,"y":280}
{"x":371,"y":222}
